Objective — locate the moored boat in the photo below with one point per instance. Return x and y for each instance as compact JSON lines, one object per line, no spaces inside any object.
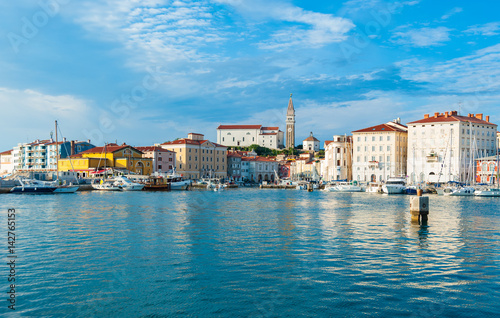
{"x":33,"y":186}
{"x":395,"y":186}
{"x":491,"y":192}
{"x":127,"y":185}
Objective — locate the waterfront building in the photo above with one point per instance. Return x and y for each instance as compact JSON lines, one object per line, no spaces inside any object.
{"x":443,"y":147}
{"x":380,"y":152}
{"x":306,"y":167}
{"x":338,"y":159}
{"x":246,"y":135}
{"x":119,"y":158}
{"x":41,"y":155}
{"x":6,"y":163}
{"x":487,"y":170}
{"x":197,"y":157}
{"x":310,"y":143}
{"x":234,"y":165}
{"x":290,"y":125}
{"x":258,"y":169}
{"x":163,"y":159}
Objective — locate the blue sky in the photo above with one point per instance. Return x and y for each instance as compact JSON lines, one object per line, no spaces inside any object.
{"x":149,"y":71}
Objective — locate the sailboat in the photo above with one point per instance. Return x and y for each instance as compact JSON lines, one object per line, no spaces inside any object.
{"x":464,"y":190}
{"x":102,"y":185}
{"x":491,"y":192}
{"x":62,"y":188}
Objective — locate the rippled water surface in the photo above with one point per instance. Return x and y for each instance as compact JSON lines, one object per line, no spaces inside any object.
{"x":250,"y":252}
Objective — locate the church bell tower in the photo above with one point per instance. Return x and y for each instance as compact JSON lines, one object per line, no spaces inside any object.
{"x":290,"y":125}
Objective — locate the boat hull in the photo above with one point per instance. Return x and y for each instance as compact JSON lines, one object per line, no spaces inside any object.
{"x":488,"y":193}
{"x":390,"y":189}
{"x":33,"y":190}
{"x":68,"y":189}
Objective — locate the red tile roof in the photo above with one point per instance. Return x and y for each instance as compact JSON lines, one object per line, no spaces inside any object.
{"x":186,"y":141}
{"x":108,"y":149}
{"x":443,"y":118}
{"x":8,"y":152}
{"x":311,"y":138}
{"x":383,"y":127}
{"x":327,"y":142}
{"x":152,"y":148}
{"x":239,"y":127}
{"x":270,"y":128}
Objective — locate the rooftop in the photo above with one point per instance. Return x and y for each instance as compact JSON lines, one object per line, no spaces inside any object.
{"x":453,"y":116}
{"x":239,"y":127}
{"x":384,"y":128}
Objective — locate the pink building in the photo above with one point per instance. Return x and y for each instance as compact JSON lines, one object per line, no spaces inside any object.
{"x":163,"y":159}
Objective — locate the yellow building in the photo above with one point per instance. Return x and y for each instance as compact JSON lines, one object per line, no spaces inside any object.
{"x":124,"y":158}
{"x":198,"y":158}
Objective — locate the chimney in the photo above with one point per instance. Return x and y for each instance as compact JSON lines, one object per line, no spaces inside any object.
{"x":446,"y":114}
{"x":479,"y":116}
{"x":436,"y":115}
{"x":488,"y":118}
{"x":426,"y":116}
{"x":72,"y":147}
{"x":454,"y":113}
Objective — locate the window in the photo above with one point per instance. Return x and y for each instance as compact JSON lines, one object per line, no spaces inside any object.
{"x":381,"y":138}
{"x":373,"y":138}
{"x":388,"y":138}
{"x":381,"y":148}
{"x":388,"y":148}
{"x":222,"y":138}
{"x":359,"y":148}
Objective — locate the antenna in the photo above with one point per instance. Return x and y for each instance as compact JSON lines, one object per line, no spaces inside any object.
{"x":460,"y":108}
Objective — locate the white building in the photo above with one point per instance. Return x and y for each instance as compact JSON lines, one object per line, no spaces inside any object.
{"x":6,"y":163}
{"x":246,"y":135}
{"x":258,"y":169}
{"x":310,"y":143}
{"x":338,"y":159}
{"x":379,"y":152}
{"x":443,"y":147}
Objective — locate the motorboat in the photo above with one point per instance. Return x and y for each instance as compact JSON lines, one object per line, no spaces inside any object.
{"x":459,"y":191}
{"x":127,"y":185}
{"x":374,"y":187}
{"x":178,"y":183}
{"x":395,"y":186}
{"x":155,"y":183}
{"x":412,"y":189}
{"x":66,"y":188}
{"x":344,"y":187}
{"x":490,"y":192}
{"x":106,"y":186}
{"x":33,"y":186}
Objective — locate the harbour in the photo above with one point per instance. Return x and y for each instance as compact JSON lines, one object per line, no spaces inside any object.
{"x":252,"y":252}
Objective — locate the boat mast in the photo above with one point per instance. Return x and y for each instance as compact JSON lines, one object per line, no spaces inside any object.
{"x":57,"y":155}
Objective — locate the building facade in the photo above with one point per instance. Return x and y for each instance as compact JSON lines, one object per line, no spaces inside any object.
{"x":163,"y":160}
{"x":258,"y":169}
{"x":380,"y":152}
{"x":487,"y":170}
{"x":306,"y":167}
{"x":443,"y":147}
{"x":112,"y":157}
{"x":338,"y":159}
{"x":247,"y":135}
{"x":290,"y":125}
{"x":310,"y":143}
{"x":198,"y":158}
{"x":6,"y":163}
{"x":41,"y":155}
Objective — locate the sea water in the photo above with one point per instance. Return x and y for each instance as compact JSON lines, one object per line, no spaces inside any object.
{"x":251,"y":253}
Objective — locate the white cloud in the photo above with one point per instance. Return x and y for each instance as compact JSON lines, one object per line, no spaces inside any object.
{"x":488,"y":29}
{"x":28,"y":115}
{"x":310,"y":28}
{"x":451,"y":13}
{"x":423,"y":37}
{"x":477,"y":74}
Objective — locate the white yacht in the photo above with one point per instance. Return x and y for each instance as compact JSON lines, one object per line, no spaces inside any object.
{"x":374,"y":187}
{"x":459,"y":191}
{"x":106,"y":186}
{"x":395,"y":186}
{"x":491,"y":192}
{"x":127,"y":185}
{"x":344,"y":187}
{"x":33,"y":186}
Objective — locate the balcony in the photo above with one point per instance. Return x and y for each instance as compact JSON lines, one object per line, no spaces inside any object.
{"x":432,"y":157}
{"x":373,"y":164}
